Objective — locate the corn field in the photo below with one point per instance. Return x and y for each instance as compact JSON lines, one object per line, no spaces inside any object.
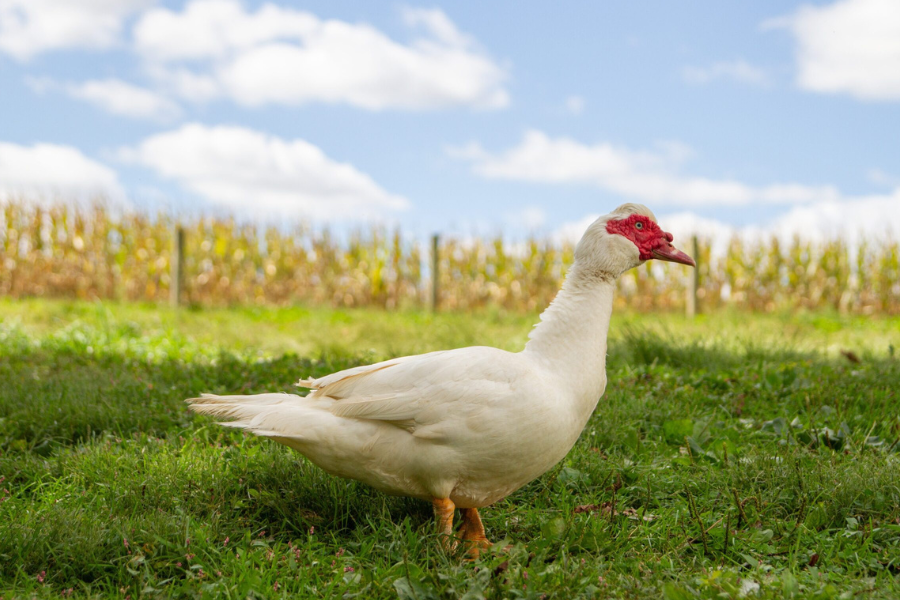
{"x":93,"y":254}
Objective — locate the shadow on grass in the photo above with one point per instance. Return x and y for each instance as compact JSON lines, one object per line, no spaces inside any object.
{"x":53,"y":399}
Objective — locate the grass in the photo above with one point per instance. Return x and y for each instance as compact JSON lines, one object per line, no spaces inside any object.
{"x":731,"y":453}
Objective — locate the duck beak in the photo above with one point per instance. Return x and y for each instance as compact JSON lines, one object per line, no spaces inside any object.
{"x":670,"y":253}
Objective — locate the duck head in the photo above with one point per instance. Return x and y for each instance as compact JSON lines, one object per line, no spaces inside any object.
{"x":624,"y":239}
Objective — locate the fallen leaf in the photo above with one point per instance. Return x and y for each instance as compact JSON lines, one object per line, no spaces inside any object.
{"x":592,"y":508}
{"x":851,"y":356}
{"x":501,"y":568}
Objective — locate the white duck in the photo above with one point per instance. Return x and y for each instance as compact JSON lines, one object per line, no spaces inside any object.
{"x":464,"y":428}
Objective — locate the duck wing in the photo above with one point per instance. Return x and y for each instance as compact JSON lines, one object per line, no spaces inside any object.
{"x":427,"y":389}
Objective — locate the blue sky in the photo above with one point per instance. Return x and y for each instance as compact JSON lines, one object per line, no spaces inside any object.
{"x":461,"y":117}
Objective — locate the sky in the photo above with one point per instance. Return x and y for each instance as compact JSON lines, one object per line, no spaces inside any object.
{"x":470,"y":118}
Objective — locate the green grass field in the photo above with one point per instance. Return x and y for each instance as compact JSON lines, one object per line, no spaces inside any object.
{"x":733,"y":456}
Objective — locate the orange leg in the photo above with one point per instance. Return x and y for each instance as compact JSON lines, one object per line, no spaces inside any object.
{"x":443,"y":511}
{"x":473,"y":532}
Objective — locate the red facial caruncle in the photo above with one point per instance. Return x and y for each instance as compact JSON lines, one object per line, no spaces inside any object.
{"x":650,"y":239}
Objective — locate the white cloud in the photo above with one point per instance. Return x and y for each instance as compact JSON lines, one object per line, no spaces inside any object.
{"x":683,"y":225}
{"x":438,"y":24}
{"x":121,"y":98}
{"x":847,"y":47}
{"x":529,"y":218}
{"x":114,"y":96}
{"x":280,"y":55}
{"x":46,"y":172}
{"x":572,"y":231}
{"x":864,"y":216}
{"x":645,"y":175}
{"x":209,"y":29}
{"x":879,"y":177}
{"x":29,"y":27}
{"x":853,"y":219}
{"x":184,"y":83}
{"x":575,"y":105}
{"x":250,"y":172}
{"x":736,"y":70}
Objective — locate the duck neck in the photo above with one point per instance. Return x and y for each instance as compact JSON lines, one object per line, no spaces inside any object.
{"x":571,"y":336}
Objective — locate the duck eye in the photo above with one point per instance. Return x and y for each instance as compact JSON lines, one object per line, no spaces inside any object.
{"x":638,"y":225}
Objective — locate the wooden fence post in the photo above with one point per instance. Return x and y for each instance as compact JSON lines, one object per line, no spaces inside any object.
{"x":435,"y":272}
{"x":690,"y":304}
{"x":176,"y":274}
